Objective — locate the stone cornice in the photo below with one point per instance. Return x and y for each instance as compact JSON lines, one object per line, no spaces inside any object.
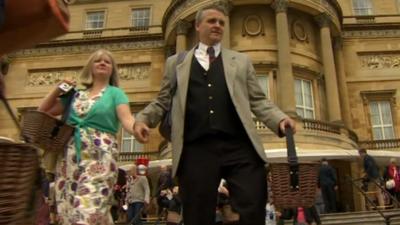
{"x":389,"y":33}
{"x":87,"y":48}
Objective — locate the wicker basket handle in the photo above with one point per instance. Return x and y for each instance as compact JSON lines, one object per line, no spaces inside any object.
{"x":292,"y":159}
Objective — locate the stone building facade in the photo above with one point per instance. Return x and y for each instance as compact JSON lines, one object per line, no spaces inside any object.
{"x":333,"y":65}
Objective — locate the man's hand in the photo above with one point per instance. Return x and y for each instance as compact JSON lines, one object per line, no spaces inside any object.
{"x":141,"y":132}
{"x":287,"y":122}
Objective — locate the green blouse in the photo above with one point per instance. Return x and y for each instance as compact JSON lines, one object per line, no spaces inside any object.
{"x":102,"y":115}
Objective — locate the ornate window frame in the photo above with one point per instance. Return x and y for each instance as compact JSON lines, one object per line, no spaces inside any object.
{"x":379,"y":95}
{"x":87,"y":22}
{"x":145,"y":27}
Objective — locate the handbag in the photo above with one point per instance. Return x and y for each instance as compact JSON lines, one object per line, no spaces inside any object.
{"x":166,"y":120}
{"x":45,"y":131}
{"x":293,"y":183}
{"x":26,"y":23}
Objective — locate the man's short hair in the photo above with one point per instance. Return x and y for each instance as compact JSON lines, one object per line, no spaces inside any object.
{"x":362,"y":150}
{"x":199,"y":14}
{"x":324,"y":159}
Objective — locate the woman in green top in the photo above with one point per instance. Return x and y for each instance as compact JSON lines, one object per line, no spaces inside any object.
{"x":87,"y":172}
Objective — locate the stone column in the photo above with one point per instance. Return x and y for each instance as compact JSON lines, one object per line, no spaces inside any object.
{"x":329,"y":69}
{"x":343,"y":92}
{"x":182,"y":28}
{"x":228,"y":6}
{"x":285,"y":80}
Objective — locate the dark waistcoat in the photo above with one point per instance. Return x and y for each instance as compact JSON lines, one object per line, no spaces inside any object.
{"x":209,"y":108}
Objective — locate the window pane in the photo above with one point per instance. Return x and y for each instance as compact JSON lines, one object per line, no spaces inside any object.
{"x":300,"y":112}
{"x":304,"y":98}
{"x":386,"y":113}
{"x":388,"y":131}
{"x":95,"y":20}
{"x":298,"y":92}
{"x":374,"y":113}
{"x":126,"y":145}
{"x":377,"y":132}
{"x":141,"y":17}
{"x":381,"y":120}
{"x":362,"y":7}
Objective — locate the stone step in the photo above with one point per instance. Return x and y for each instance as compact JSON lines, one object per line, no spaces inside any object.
{"x":364,"y":218}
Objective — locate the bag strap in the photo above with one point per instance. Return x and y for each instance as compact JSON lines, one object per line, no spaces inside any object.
{"x":8,"y":107}
{"x":68,"y":106}
{"x":174,"y":80}
{"x":292,"y":159}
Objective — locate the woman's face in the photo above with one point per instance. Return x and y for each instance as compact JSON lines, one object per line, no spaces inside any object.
{"x":102,"y":66}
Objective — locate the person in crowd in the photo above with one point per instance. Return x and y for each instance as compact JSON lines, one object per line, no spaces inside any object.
{"x":391,"y":176}
{"x":137,"y":195}
{"x":271,"y":213}
{"x":87,"y":172}
{"x":212,"y":125}
{"x":228,"y":214}
{"x":174,"y":206}
{"x":371,"y":175}
{"x":327,"y":182}
{"x":164,"y":183}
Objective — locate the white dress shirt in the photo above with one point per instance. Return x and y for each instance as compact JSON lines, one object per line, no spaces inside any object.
{"x":202,"y":56}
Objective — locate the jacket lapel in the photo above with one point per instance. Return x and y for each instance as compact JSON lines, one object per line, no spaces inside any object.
{"x":183,"y":73}
{"x":229,"y":63}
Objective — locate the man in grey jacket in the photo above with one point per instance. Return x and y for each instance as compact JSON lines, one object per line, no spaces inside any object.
{"x":213,"y":134}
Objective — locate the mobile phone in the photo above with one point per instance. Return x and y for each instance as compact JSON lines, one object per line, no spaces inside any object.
{"x":65,"y":87}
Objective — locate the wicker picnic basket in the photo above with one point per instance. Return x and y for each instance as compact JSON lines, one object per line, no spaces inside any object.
{"x":19,"y":183}
{"x":293,"y":184}
{"x":45,"y":131}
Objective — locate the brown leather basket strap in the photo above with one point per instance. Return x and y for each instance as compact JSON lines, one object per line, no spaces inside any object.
{"x":292,"y":159}
{"x":8,"y":107}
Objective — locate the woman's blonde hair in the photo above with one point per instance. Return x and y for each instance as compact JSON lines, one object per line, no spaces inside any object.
{"x":86,"y":77}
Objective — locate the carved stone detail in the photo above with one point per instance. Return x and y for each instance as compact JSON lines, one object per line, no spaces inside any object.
{"x":186,"y":4}
{"x":253,"y":25}
{"x":48,"y":77}
{"x":323,"y":20}
{"x":182,"y":27}
{"x":134,"y":71}
{"x":380,"y":61}
{"x":299,"y":31}
{"x":85,"y":48}
{"x":280,"y":5}
{"x":226,"y":4}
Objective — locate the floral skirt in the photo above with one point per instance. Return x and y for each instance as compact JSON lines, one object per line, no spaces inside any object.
{"x":84,"y":191}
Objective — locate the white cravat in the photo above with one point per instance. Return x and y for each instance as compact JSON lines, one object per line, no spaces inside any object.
{"x":201,"y":54}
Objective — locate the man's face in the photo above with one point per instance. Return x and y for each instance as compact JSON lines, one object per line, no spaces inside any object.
{"x":211,"y":27}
